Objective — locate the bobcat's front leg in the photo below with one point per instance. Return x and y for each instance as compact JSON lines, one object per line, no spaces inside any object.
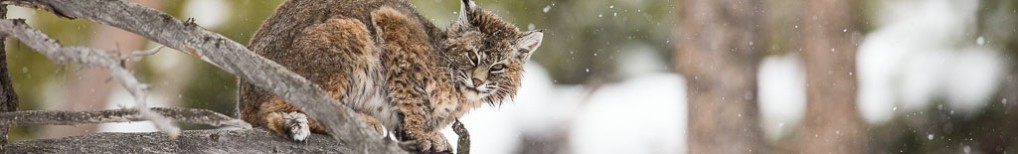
{"x":410,"y":77}
{"x":417,"y":132}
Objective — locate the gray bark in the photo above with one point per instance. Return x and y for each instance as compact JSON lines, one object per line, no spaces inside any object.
{"x":191,"y":141}
{"x":463,"y":146}
{"x":88,"y":88}
{"x":195,"y":116}
{"x":8,"y":98}
{"x":89,"y":57}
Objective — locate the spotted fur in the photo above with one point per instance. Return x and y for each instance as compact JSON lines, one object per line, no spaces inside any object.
{"x":389,"y":64}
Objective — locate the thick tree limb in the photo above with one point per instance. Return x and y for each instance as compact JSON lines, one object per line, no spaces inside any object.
{"x":197,"y":116}
{"x":229,"y":56}
{"x":86,"y":56}
{"x":191,"y":141}
{"x":8,"y":98}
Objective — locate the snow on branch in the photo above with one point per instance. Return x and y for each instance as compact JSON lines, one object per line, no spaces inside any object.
{"x":190,"y":141}
{"x":196,"y":116}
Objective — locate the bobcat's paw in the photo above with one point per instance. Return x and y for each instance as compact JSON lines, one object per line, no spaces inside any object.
{"x":432,"y":142}
{"x":296,"y":125}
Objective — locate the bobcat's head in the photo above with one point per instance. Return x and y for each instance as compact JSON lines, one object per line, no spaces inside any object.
{"x":488,"y":53}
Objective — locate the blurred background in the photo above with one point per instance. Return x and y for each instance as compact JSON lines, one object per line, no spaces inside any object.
{"x":644,"y":76}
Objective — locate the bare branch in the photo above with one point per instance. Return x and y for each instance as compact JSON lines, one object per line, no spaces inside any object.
{"x":463,"y":146}
{"x":191,"y":141}
{"x":90,"y":57}
{"x":232,"y":57}
{"x":8,"y":97}
{"x":196,"y":116}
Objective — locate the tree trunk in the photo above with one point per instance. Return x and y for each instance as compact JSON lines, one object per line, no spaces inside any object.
{"x":717,"y":56}
{"x":832,"y":123}
{"x":8,"y":98}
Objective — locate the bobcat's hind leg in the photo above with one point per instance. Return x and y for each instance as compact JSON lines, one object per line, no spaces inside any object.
{"x":339,"y":47}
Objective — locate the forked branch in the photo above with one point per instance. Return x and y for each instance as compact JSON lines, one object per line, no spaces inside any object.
{"x":35,"y":39}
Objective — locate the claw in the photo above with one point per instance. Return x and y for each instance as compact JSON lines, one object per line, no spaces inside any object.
{"x":296,"y":124}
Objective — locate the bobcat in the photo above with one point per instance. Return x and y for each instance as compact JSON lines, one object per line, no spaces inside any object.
{"x":391,"y":65}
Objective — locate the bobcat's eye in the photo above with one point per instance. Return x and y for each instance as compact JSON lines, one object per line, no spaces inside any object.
{"x":497,"y":68}
{"x":472,"y":57}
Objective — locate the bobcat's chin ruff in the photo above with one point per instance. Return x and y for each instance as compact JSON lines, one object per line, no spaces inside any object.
{"x":479,"y":92}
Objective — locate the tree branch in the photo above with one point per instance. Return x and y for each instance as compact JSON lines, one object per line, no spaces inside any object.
{"x":190,"y":141}
{"x":463,"y":146}
{"x":54,"y":51}
{"x":230,"y":56}
{"x":197,"y":116}
{"x":8,"y":98}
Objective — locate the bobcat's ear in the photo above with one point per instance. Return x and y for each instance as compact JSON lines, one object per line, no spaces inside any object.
{"x":467,"y":9}
{"x":527,"y":44}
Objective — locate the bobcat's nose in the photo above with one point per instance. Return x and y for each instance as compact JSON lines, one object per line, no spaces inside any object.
{"x":477,"y":82}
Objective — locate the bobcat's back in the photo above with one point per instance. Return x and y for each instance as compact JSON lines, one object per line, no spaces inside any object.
{"x":293,"y":15}
{"x":329,"y":42}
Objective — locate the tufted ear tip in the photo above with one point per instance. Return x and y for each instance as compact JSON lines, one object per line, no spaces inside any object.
{"x":467,"y":7}
{"x":529,"y":43}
